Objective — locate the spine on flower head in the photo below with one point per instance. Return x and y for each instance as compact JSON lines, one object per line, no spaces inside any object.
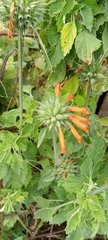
{"x":61,"y":140}
{"x":57,"y":89}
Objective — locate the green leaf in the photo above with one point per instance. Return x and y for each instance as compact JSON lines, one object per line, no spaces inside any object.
{"x":103,"y":121}
{"x":68,"y":35}
{"x":8,"y":119}
{"x":53,"y":35}
{"x":79,"y":100}
{"x":87,"y":16}
{"x":68,"y":7}
{"x":94,"y":153}
{"x":72,"y":184}
{"x":60,"y":217}
{"x":75,"y":235}
{"x":71,"y":86}
{"x":57,"y":55}
{"x":41,"y":136}
{"x":85,"y":45}
{"x":58,"y":75}
{"x":46,"y":214}
{"x":94,"y":6}
{"x":73,"y":221}
{"x":106,"y":9}
{"x":27,"y":130}
{"x":104,"y":37}
{"x":55,"y":8}
{"x":3,"y":170}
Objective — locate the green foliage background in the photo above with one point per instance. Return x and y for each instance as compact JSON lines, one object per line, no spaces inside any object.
{"x":70,"y":49}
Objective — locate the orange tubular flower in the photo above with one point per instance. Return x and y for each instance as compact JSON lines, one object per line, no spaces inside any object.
{"x":75,"y":133}
{"x":82,"y":119}
{"x":57,"y":89}
{"x":71,"y":96}
{"x":79,"y":124}
{"x":78,"y":109}
{"x":11,"y":26}
{"x":61,"y":140}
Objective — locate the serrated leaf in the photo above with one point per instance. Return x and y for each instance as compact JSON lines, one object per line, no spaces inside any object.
{"x":8,"y":119}
{"x":42,"y":202}
{"x":87,"y":16}
{"x":103,"y":121}
{"x":3,"y":170}
{"x":73,"y":221}
{"x":46,"y":214}
{"x":105,"y":38}
{"x":71,"y":86}
{"x":58,"y":75}
{"x":94,"y":153}
{"x":72,"y":184}
{"x":68,"y":7}
{"x":85,"y":45}
{"x":57,"y":55}
{"x":94,"y":6}
{"x":60,"y":217}
{"x":41,"y":136}
{"x":68,"y":35}
{"x":53,"y":34}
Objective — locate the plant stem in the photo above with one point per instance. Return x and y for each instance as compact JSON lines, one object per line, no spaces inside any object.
{"x":88,"y":93}
{"x":55,"y":147}
{"x":20,"y":76}
{"x":23,"y":225}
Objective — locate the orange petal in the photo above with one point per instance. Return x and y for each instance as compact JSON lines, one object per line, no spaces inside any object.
{"x":69,"y":97}
{"x":82,"y":119}
{"x":10,"y":34}
{"x":79,"y":124}
{"x":78,"y":109}
{"x":57,"y":89}
{"x":75,"y":133}
{"x":61,"y":140}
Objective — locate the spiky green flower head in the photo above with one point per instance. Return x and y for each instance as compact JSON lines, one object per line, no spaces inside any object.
{"x":26,"y":12}
{"x":52,"y":112}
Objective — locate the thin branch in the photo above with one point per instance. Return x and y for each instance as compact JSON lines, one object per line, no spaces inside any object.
{"x":16,"y":35}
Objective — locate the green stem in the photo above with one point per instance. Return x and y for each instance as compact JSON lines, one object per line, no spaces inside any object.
{"x":88,"y":93}
{"x":55,"y":147}
{"x":23,"y":225}
{"x":20,"y":77}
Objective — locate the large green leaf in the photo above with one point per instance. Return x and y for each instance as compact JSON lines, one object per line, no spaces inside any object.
{"x":68,"y":7}
{"x":94,"y":153}
{"x":68,"y":35}
{"x":71,"y":85}
{"x":72,"y":184}
{"x":85,"y":45}
{"x":57,"y":55}
{"x":73,"y":221}
{"x":58,"y":75}
{"x":87,"y":16}
{"x":94,"y":6}
{"x":46,"y":214}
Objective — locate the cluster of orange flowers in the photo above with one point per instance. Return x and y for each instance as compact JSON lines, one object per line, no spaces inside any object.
{"x":11,"y":26}
{"x":79,"y":121}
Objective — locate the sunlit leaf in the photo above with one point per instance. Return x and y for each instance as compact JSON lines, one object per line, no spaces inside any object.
{"x":68,"y":35}
{"x":85,"y":45}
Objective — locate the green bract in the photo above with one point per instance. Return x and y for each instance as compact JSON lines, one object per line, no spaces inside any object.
{"x":52,"y":113}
